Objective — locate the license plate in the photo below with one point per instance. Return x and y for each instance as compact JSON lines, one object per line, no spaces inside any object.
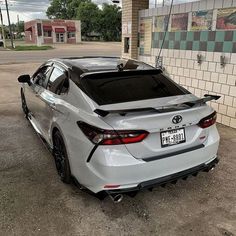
{"x":172,"y":137}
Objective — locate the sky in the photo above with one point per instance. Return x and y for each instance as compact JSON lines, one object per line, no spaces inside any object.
{"x":29,"y":9}
{"x":26,"y":9}
{"x":35,"y":9}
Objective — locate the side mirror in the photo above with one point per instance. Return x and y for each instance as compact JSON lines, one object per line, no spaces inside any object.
{"x":24,"y":79}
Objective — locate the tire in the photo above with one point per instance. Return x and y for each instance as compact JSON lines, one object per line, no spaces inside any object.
{"x":24,"y":105}
{"x":61,"y":158}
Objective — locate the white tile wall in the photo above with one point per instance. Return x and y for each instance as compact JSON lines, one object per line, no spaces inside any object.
{"x":175,"y":9}
{"x":210,"y":4}
{"x":233,"y":58}
{"x":188,"y":6}
{"x":182,"y":8}
{"x":225,"y":89}
{"x":218,"y":4}
{"x":227,"y":3}
{"x":232,"y":91}
{"x":217,"y":87}
{"x":209,"y":56}
{"x":203,"y":79}
{"x":203,"y":5}
{"x":214,"y":77}
{"x":231,"y":80}
{"x":233,"y":122}
{"x":209,"y":86}
{"x":225,"y":120}
{"x":204,"y":66}
{"x":212,"y":66}
{"x":209,"y":77}
{"x":229,"y":69}
{"x":231,"y":112}
{"x":228,"y":100}
{"x":222,"y":109}
{"x":195,"y":6}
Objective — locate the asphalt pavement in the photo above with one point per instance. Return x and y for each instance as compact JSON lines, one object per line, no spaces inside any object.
{"x":61,"y":51}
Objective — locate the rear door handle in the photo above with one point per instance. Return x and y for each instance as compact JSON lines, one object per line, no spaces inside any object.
{"x":53,"y":106}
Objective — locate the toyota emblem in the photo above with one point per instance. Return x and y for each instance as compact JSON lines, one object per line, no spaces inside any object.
{"x":177,"y":119}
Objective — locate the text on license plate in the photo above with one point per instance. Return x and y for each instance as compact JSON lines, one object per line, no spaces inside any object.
{"x":172,"y":137}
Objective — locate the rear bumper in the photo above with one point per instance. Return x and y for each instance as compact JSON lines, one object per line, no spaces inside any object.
{"x":115,"y":166}
{"x":139,"y":174}
{"x":173,"y":178}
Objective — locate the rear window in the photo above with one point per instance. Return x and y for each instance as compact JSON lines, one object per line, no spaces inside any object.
{"x":104,"y":89}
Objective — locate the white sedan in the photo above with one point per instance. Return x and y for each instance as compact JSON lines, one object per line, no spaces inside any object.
{"x":119,"y":126}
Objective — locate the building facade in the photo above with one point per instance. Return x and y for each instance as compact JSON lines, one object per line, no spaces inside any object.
{"x":198,"y":49}
{"x":52,"y":31}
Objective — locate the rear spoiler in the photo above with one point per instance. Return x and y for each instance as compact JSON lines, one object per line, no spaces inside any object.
{"x":207,"y":98}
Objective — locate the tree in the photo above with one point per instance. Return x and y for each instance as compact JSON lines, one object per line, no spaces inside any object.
{"x":58,"y":9}
{"x":110,"y":22}
{"x":88,"y":13}
{"x":73,"y":7}
{"x":64,"y":9}
{"x":21,"y":26}
{"x":105,"y":22}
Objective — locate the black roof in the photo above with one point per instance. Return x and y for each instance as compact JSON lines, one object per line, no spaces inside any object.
{"x":99,"y":64}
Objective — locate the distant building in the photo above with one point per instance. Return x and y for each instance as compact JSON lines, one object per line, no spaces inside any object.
{"x":52,"y":31}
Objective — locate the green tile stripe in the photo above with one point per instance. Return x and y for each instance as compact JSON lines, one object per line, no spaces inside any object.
{"x":211,"y":41}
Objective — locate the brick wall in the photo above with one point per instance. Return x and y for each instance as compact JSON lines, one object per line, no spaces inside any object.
{"x":47,"y":40}
{"x":209,"y":77}
{"x":73,"y":40}
{"x":30,"y":32}
{"x":130,"y":23}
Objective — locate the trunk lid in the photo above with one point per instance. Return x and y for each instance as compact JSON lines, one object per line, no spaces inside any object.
{"x":156,"y":122}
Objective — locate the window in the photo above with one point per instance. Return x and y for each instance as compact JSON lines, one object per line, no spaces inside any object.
{"x":117,"y":88}
{"x":58,"y":82}
{"x":47,"y":34}
{"x":70,"y":35}
{"x":41,"y":76}
{"x":126,"y":44}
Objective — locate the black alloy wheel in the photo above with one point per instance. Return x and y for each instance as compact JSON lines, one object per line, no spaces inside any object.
{"x":61,"y":158}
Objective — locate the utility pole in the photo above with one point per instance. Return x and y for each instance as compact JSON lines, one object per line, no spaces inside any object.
{"x":3,"y":33}
{"x":9,"y":23}
{"x":18,"y":24}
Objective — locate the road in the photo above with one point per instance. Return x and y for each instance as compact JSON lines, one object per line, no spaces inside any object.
{"x":33,"y":201}
{"x":61,"y":50}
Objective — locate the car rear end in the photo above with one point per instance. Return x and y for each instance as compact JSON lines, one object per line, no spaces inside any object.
{"x":158,"y":133}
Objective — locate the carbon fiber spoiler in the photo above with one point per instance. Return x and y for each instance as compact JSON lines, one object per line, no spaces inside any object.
{"x":201,"y":101}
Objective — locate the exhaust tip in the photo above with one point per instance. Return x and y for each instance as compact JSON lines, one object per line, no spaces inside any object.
{"x":116,"y":198}
{"x":212,"y":168}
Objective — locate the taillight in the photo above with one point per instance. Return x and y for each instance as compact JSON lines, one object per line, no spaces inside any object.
{"x":112,"y":137}
{"x":208,"y":121}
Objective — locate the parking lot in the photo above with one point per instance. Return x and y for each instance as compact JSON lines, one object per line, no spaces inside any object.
{"x":33,"y":201}
{"x":62,"y":51}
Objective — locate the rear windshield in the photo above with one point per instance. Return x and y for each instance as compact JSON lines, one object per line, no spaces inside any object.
{"x":106,"y":90}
